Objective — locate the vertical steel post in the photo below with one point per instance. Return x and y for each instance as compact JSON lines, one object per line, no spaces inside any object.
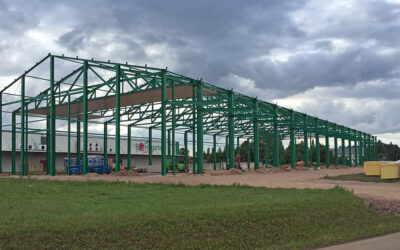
{"x":200,"y":134}
{"x":266,"y":153}
{"x":317,"y":149}
{"x":292,"y":141}
{"x":26,"y":141}
{"x":186,"y":147}
{"x":13,"y":148}
{"x":52,"y":145}
{"x":350,"y":154}
{"x":215,"y":151}
{"x":129,"y":146}
{"x":231,"y":130}
{"x":163,"y":122}
{"x":169,"y":144}
{"x":248,"y":153}
{"x":256,"y":135}
{"x":151,"y":146}
{"x":173,"y":128}
{"x":355,"y":151}
{"x":117,"y":118}
{"x":105,"y":144}
{"x":69,"y":135}
{"x":306,"y":154}
{"x":327,"y":150}
{"x":85,"y":117}
{"x":343,"y":152}
{"x":78,"y":140}
{"x":194,"y":131}
{"x":1,"y":132}
{"x":276,"y":140}
{"x":360,"y":148}
{"x":336,"y":152}
{"x":237,"y":145}
{"x":376,"y":148}
{"x":227,"y":152}
{"x":23,"y":146}
{"x":47,"y":144}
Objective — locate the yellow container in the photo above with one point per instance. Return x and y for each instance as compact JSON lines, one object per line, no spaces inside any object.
{"x":372,"y":168}
{"x":389,"y":171}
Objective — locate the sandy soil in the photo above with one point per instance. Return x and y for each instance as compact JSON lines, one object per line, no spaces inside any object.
{"x":277,"y":178}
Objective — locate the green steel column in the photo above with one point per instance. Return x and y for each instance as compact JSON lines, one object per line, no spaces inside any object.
{"x":52,"y":145}
{"x":169,"y":144}
{"x":13,"y":149}
{"x":336,"y":152}
{"x":237,"y":145}
{"x":194,"y":130}
{"x":365,"y":146}
{"x":266,"y":153}
{"x":227,"y":152}
{"x":276,"y":140}
{"x":23,"y":146}
{"x":360,"y":159}
{"x":376,"y":148}
{"x":117,"y":118}
{"x":306,"y":154}
{"x":85,"y":117}
{"x":105,"y":144}
{"x":327,"y":150}
{"x":151,"y":147}
{"x":343,"y":153}
{"x":231,"y":131}
{"x":248,"y":153}
{"x":292,"y":142}
{"x":129,"y":146}
{"x":47,"y":144}
{"x":78,"y":140}
{"x":26,"y":141}
{"x":173,"y":128}
{"x":355,"y":153}
{"x":200,"y":133}
{"x":163,"y":123}
{"x":350,"y":155}
{"x":1,"y":132}
{"x":69,"y":135}
{"x":256,"y":135}
{"x":215,"y":151}
{"x":186,"y":147}
{"x":318,"y":153}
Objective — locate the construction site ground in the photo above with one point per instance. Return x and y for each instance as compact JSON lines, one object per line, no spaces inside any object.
{"x":383,"y":196}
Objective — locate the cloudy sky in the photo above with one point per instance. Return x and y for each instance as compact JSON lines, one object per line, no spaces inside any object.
{"x":338,"y":60}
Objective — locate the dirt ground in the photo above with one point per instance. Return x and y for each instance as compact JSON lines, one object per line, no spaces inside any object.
{"x":383,"y":196}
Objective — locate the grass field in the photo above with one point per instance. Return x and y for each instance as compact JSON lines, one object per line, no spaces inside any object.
{"x":53,"y":214}
{"x":360,"y":177}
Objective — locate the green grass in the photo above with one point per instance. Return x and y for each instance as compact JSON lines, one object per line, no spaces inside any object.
{"x":75,"y":215}
{"x":360,"y":177}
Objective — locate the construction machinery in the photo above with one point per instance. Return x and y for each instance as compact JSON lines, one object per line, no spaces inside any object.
{"x":179,"y":167}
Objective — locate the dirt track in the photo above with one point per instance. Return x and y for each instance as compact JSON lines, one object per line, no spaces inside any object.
{"x":273,"y":179}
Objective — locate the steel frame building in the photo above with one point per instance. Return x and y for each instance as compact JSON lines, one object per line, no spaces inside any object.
{"x":122,"y":94}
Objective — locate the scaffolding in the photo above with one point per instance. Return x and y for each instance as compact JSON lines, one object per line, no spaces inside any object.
{"x":120,"y":94}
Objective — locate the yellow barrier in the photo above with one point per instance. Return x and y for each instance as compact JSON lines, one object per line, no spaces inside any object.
{"x":372,"y":168}
{"x":389,"y":171}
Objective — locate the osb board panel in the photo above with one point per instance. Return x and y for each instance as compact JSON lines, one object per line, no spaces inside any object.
{"x":126,"y":100}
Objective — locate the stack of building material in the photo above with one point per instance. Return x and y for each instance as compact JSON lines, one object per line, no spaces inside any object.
{"x":389,"y":170}
{"x":372,"y":168}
